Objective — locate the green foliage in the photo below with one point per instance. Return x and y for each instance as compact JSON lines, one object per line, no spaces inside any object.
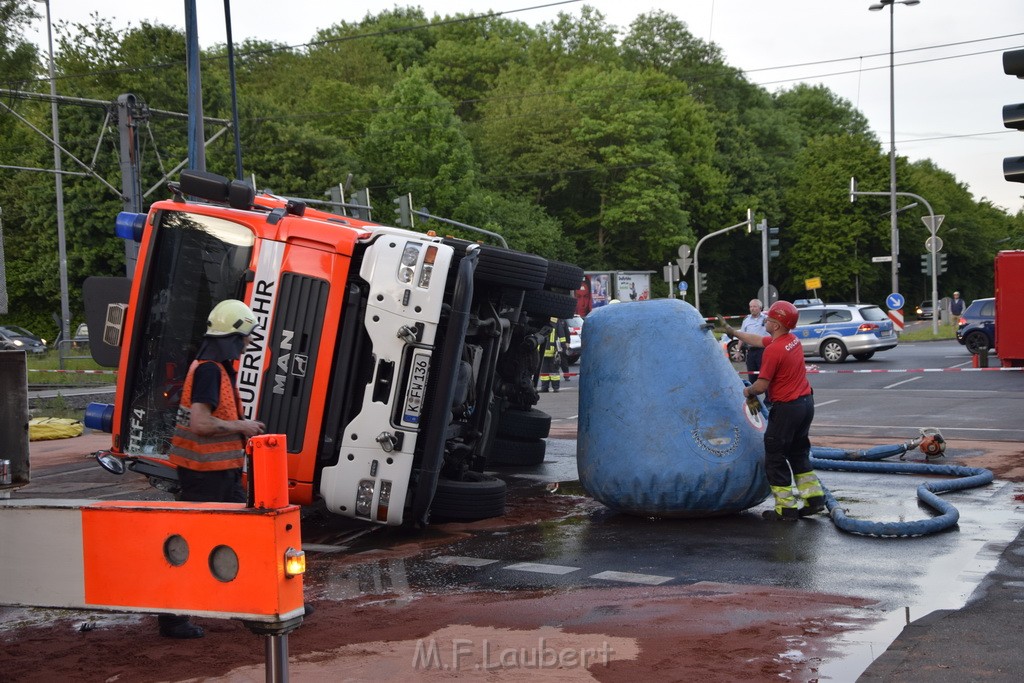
{"x":575,"y":139}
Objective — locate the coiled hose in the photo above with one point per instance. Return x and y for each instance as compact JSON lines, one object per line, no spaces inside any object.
{"x":837,"y":459}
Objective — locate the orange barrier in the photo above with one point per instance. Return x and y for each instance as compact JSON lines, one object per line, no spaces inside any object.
{"x":222,"y":560}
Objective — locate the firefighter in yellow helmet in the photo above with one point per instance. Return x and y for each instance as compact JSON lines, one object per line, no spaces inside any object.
{"x":550,"y":376}
{"x":208,"y":446}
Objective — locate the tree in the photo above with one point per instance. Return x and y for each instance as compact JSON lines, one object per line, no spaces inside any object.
{"x":415,"y":143}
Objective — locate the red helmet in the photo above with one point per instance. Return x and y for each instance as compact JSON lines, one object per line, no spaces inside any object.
{"x":784,"y":313}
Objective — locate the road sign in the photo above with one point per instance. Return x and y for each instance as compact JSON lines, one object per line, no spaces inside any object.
{"x":881,"y":259}
{"x":812,"y":283}
{"x":896,"y":316}
{"x":927,"y":220}
{"x":682,"y":286}
{"x":895,"y":301}
{"x":772,"y":297}
{"x":684,"y":259}
{"x":933,"y":244}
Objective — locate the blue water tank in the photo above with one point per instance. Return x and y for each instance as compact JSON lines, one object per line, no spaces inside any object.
{"x":664,"y":430}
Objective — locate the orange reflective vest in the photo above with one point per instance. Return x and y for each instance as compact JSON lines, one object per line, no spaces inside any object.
{"x":207,"y":453}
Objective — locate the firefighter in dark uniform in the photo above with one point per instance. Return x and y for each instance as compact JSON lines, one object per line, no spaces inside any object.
{"x":208,"y":446}
{"x":787,"y":445}
{"x":550,"y":376}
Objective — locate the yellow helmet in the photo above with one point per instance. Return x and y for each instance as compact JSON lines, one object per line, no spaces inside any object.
{"x":230,"y":316}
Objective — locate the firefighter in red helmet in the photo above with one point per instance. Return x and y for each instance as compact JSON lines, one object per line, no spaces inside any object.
{"x":787,"y":445}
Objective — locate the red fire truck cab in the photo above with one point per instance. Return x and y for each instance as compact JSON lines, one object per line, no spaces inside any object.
{"x":386,"y":356}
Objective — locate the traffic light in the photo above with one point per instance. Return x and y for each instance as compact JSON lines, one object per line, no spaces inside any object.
{"x":926,"y":264}
{"x":703,"y":283}
{"x":1013,"y":115}
{"x":773,"y":243}
{"x":942,"y":264}
{"x":361,"y":199}
{"x":404,"y":210}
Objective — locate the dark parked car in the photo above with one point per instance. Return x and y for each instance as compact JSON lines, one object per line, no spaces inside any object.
{"x":14,"y":338}
{"x":977,"y":326}
{"x":925,"y":310}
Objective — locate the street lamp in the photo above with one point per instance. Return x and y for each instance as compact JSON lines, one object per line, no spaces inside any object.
{"x":62,"y":256}
{"x":894,"y":232}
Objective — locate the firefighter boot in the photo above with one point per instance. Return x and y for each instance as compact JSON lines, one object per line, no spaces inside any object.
{"x":544,"y":386}
{"x":785,"y":505}
{"x":810,"y":490}
{"x":554,"y":385}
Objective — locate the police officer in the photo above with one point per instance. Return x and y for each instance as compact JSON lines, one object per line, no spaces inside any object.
{"x":755,"y":324}
{"x":208,"y":446}
{"x":787,"y":445}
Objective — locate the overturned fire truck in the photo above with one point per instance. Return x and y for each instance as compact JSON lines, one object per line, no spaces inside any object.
{"x":389,"y":358}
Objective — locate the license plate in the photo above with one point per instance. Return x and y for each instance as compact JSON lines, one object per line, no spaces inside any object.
{"x":416,"y":388}
{"x":886,"y":333}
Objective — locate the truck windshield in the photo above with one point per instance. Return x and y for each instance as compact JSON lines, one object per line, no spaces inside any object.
{"x":195,"y":262}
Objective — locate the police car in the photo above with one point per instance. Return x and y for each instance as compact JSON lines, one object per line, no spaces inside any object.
{"x":835,"y":331}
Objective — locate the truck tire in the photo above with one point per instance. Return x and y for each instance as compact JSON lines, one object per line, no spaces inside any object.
{"x":499,"y":266}
{"x":477,"y":496}
{"x":516,"y":452}
{"x":545,"y":304}
{"x":563,"y":275}
{"x":524,"y":424}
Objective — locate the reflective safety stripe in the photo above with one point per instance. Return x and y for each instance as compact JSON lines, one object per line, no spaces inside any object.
{"x":808,"y":485}
{"x":206,"y":453}
{"x":784,"y":498}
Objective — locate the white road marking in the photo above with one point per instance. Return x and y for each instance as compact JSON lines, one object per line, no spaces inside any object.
{"x":825,"y":403}
{"x":463,"y":561}
{"x":630,"y":577}
{"x":912,"y":379}
{"x":542,"y":568}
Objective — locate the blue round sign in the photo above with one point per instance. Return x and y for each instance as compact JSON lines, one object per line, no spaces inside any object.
{"x":895,"y":301}
{"x":682,"y":285}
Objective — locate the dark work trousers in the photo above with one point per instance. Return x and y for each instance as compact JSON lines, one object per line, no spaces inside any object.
{"x":787,"y":444}
{"x":754,"y":354}
{"x":219,"y":486}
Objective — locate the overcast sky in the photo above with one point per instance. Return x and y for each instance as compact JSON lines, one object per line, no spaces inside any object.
{"x":950,"y":86}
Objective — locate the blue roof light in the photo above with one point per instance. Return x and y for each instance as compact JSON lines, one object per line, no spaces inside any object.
{"x":130,"y":225}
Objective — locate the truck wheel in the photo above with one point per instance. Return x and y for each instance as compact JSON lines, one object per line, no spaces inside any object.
{"x":518,"y":452}
{"x":563,"y":275}
{"x":498,"y":266}
{"x":524,"y":424}
{"x":545,"y":304}
{"x":477,"y":496}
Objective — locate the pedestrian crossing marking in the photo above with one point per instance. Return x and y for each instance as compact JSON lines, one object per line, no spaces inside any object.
{"x":462,"y":561}
{"x":542,"y":568}
{"x":630,"y":577}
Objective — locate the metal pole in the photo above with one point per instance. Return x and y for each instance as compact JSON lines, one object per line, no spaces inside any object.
{"x":894,"y":218}
{"x":62,"y":256}
{"x":696,"y":260}
{"x":234,"y":91}
{"x":276,"y":652}
{"x":196,"y":148}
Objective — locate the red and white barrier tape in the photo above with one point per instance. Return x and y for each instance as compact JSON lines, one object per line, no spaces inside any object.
{"x":81,"y":372}
{"x":814,"y":370}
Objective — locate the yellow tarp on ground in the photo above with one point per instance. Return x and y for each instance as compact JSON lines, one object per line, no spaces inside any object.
{"x":44,"y":428}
